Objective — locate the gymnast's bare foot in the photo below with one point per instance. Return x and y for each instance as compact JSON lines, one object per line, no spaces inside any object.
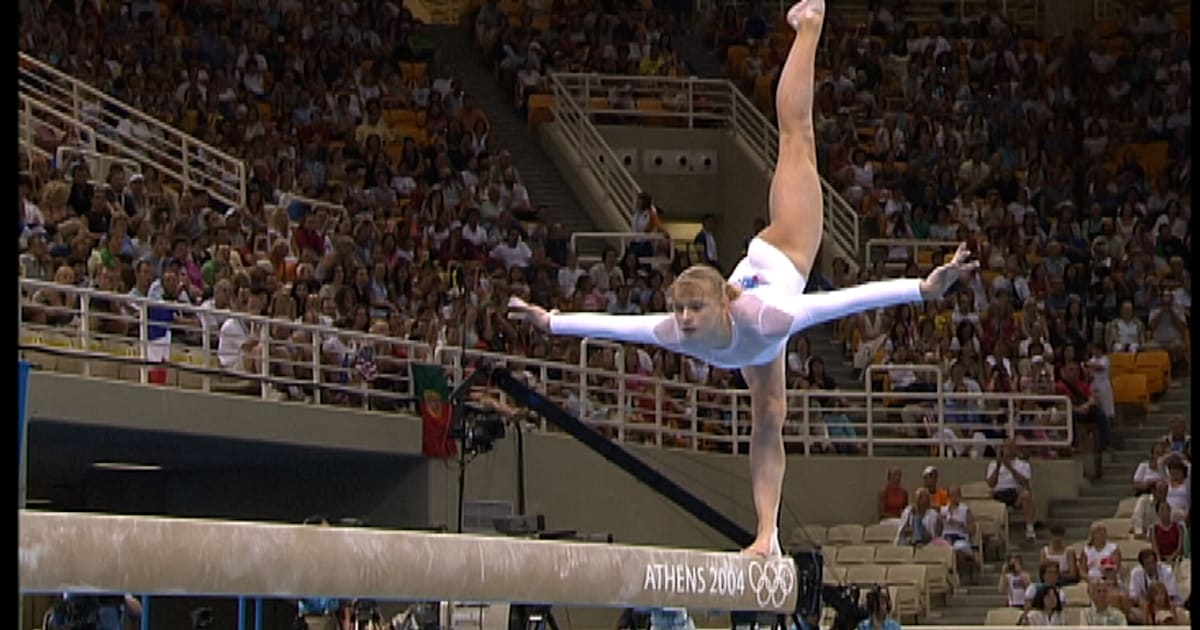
{"x":767,"y":547}
{"x":811,"y":12}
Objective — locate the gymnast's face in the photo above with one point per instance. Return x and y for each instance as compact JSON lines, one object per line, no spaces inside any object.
{"x":696,"y":311}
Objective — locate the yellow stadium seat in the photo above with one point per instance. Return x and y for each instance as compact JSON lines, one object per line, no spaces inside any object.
{"x":541,"y":109}
{"x":414,"y":71}
{"x":846,"y":534}
{"x":1130,"y":389}
{"x":855,"y":554}
{"x":893,"y":554}
{"x":1160,"y":359}
{"x":735,"y":57}
{"x":1121,"y":363}
{"x":762,"y":91}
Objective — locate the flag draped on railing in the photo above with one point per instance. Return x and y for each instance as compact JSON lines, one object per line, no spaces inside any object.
{"x":433,"y":400}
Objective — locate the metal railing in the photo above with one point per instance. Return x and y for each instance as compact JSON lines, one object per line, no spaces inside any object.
{"x":689,"y":102}
{"x":910,"y":245}
{"x":35,"y":116}
{"x":173,"y":154}
{"x":598,"y":158}
{"x":118,"y":336}
{"x":98,"y":163}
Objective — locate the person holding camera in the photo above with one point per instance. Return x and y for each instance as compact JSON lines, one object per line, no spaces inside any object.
{"x":879,"y":611}
{"x":1011,"y":481}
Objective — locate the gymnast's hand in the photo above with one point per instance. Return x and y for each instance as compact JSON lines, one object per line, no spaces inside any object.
{"x":532,"y":313}
{"x":935,"y":285}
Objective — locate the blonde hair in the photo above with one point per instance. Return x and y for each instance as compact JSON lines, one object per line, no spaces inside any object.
{"x":709,"y":282}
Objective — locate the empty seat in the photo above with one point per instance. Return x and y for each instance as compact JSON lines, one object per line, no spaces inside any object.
{"x":1077,"y":595}
{"x":808,"y":535}
{"x":1125,"y":507}
{"x":1003,"y":617}
{"x":1118,"y":528}
{"x":880,"y":533}
{"x":855,"y":554}
{"x":893,"y":554}
{"x":866,"y":574}
{"x":976,"y":490}
{"x":845,"y":534}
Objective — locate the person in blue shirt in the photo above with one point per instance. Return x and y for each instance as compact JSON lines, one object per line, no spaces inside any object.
{"x":879,"y":612}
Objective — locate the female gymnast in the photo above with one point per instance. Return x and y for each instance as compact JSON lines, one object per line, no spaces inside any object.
{"x":745,"y":322}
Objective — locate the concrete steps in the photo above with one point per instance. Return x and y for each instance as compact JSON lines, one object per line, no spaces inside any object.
{"x":540,"y":175}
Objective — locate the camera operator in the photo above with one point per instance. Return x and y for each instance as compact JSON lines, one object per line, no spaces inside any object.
{"x":94,"y":612}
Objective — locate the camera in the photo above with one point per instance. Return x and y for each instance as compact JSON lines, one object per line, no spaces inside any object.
{"x":477,"y":428}
{"x":202,"y":619}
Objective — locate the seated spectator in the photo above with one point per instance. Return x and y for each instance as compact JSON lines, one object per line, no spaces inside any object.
{"x":1158,"y":609}
{"x":1056,"y":551}
{"x":1048,"y":577}
{"x":938,"y":497}
{"x":1168,"y":535}
{"x":1150,"y":471}
{"x":1144,"y":513}
{"x":919,"y":522}
{"x":1150,"y":570}
{"x":1099,"y":612}
{"x":958,"y":528}
{"x":1046,"y":609}
{"x":1014,"y":581}
{"x":1126,"y":333}
{"x":1100,"y":554}
{"x":893,"y":498}
{"x":1010,"y":479}
{"x":1178,"y":439}
{"x":1179,"y":487}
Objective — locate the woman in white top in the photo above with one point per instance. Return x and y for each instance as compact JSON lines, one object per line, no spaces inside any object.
{"x":1047,"y":608}
{"x":1099,"y":553}
{"x":1149,"y":471}
{"x":1179,"y":486}
{"x":1097,"y":366}
{"x":1059,"y":553}
{"x":1013,"y":582}
{"x":919,"y":522}
{"x":958,"y":522}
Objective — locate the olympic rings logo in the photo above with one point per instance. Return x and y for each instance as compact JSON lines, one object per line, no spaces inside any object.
{"x":772,"y":581}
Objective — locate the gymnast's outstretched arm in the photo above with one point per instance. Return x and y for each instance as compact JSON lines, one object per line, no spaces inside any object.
{"x":649,"y":329}
{"x":795,"y":313}
{"x":627,"y":328}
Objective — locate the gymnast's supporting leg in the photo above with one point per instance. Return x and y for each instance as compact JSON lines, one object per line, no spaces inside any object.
{"x":795,"y":229}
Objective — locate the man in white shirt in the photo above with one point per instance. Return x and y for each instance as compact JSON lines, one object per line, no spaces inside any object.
{"x":1011,"y":481}
{"x":569,"y":274}
{"x":513,"y":252}
{"x":237,"y":343}
{"x":1148,"y":571}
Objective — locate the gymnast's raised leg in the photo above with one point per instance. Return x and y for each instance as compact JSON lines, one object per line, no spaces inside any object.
{"x":795,"y":229}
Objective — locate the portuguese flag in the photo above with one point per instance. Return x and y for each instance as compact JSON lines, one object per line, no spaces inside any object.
{"x":433,"y":400}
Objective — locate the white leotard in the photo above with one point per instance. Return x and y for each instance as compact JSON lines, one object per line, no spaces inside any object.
{"x":771,"y":308}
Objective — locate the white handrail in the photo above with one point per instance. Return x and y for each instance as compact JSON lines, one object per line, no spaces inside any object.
{"x":614,"y":179}
{"x":623,"y":239}
{"x":173,"y":154}
{"x":710,"y":101}
{"x":630,"y":407}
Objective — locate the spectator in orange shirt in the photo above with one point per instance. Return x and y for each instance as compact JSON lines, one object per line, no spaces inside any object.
{"x":938,"y":497}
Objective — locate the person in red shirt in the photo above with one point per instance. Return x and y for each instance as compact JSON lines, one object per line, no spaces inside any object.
{"x":1072,"y":384}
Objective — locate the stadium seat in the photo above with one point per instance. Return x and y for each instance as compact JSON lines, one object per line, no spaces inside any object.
{"x":976,"y":490}
{"x":1003,"y":617}
{"x":880,"y":533}
{"x":735,"y":57}
{"x":1130,"y":548}
{"x":1131,"y":390}
{"x":893,"y":554}
{"x":855,"y":554}
{"x":846,"y":534}
{"x":940,"y":567}
{"x":911,"y":575}
{"x":541,"y":109}
{"x":1118,"y":528}
{"x":1147,"y":361}
{"x":1125,"y":507}
{"x":866,"y":574}
{"x":1077,"y":595}
{"x":1121,"y":363}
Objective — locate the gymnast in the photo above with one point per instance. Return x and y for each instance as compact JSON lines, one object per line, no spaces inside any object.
{"x":744,"y":322}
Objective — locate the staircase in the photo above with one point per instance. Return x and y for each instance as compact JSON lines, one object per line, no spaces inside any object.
{"x":540,"y":175}
{"x":1096,"y":501}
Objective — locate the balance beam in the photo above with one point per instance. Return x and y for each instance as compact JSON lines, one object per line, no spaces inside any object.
{"x":60,"y":552}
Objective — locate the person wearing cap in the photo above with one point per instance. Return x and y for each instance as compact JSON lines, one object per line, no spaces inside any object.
{"x":938,"y":497}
